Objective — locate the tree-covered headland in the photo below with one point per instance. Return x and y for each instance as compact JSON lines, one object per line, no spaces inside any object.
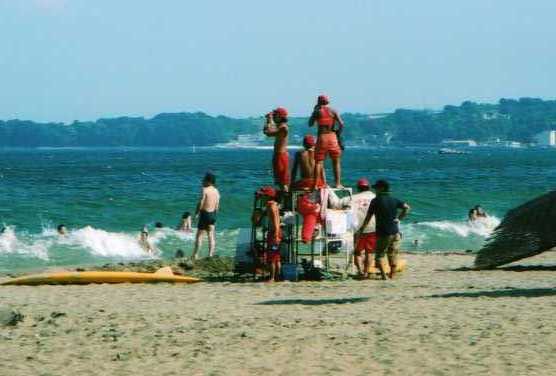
{"x":509,"y":119}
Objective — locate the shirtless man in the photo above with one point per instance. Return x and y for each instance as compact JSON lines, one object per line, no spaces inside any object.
{"x":208,"y":206}
{"x":305,"y":163}
{"x":277,"y":126}
{"x":327,"y":142}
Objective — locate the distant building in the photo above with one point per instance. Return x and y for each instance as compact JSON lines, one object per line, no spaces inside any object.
{"x":460,"y":142}
{"x":493,"y":115}
{"x":546,"y":138}
{"x":377,"y":116}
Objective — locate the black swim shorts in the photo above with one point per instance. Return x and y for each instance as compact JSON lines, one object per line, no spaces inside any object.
{"x":206,"y":219}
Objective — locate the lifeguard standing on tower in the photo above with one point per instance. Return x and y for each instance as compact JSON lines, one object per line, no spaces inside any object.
{"x":327,"y":142}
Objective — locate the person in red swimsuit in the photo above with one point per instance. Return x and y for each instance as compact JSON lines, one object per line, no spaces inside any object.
{"x":274,"y":238}
{"x":277,"y":126}
{"x":327,"y":143}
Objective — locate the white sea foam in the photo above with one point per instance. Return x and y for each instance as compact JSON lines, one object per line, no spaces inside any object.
{"x":25,"y":245}
{"x":105,"y":244}
{"x":161,"y":234}
{"x":8,"y":240}
{"x":480,"y":227}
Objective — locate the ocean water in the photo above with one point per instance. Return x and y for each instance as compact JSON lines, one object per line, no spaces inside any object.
{"x":105,"y":196}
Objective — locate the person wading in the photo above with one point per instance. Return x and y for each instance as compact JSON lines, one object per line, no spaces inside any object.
{"x":206,"y":211}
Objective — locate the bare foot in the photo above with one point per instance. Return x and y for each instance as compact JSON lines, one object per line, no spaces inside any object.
{"x":392,"y":271}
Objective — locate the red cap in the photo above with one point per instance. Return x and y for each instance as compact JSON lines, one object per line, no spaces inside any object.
{"x":267,"y":191}
{"x":281,"y":112}
{"x":309,"y":140}
{"x":363,"y":183}
{"x":323,"y":100}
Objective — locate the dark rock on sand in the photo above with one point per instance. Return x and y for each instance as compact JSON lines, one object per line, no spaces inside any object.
{"x":210,"y":267}
{"x":9,"y":316}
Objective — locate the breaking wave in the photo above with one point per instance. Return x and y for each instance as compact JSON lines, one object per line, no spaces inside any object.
{"x":480,"y":227}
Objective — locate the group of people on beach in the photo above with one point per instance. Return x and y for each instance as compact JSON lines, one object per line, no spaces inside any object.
{"x":205,"y":215}
{"x":379,"y":215}
{"x":310,"y":161}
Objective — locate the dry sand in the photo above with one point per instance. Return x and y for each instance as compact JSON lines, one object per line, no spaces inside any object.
{"x":431,"y":321}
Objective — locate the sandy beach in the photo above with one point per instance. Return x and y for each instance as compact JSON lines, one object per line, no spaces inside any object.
{"x":432,"y":320}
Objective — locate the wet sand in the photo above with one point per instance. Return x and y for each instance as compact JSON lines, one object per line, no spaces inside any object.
{"x":432,"y":320}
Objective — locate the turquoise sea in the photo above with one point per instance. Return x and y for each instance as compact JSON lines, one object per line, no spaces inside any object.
{"x":105,"y":196}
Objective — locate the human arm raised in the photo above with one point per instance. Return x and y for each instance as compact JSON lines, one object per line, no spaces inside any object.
{"x":313,"y":117}
{"x":273,"y":131}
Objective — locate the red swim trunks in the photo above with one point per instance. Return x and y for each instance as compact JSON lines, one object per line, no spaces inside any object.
{"x":327,"y":144}
{"x":366,"y":242}
{"x":274,"y":256}
{"x":307,"y":183}
{"x":280,"y":166}
{"x":273,"y":247}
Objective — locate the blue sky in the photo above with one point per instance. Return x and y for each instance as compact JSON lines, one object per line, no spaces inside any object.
{"x":63,"y":60}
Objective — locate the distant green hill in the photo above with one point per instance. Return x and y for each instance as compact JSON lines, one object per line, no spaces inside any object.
{"x":509,"y":119}
{"x":177,"y":129}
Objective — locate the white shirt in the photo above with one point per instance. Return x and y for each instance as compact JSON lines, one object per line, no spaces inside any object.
{"x":359,"y":203}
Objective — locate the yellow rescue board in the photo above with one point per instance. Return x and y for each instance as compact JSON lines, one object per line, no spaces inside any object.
{"x":400,"y":267}
{"x":81,"y":278}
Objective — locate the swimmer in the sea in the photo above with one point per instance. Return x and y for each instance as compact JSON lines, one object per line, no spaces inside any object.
{"x":62,"y":230}
{"x":185,"y":223}
{"x":145,"y":243}
{"x":476,"y":212}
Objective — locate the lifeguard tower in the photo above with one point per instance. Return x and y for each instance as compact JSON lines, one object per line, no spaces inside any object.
{"x":330,"y":247}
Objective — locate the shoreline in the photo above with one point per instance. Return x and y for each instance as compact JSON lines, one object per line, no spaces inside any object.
{"x":151,"y":265}
{"x":117,"y":265}
{"x":433,"y":319}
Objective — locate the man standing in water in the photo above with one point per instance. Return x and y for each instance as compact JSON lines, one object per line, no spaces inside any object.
{"x":277,"y":126}
{"x":305,"y":163}
{"x":208,"y":206}
{"x":327,"y":142}
{"x":385,"y":209}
